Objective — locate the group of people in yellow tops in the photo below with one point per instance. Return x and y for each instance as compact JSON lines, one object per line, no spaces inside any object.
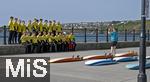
{"x":40,"y":36}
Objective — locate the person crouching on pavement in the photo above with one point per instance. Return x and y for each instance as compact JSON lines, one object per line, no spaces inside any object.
{"x":49,"y":42}
{"x":72,"y":44}
{"x":25,"y":40}
{"x":39,"y":39}
{"x":63,"y":42}
{"x":44,"y":42}
{"x":53,"y":44}
{"x":34,"y":42}
{"x":58,"y":41}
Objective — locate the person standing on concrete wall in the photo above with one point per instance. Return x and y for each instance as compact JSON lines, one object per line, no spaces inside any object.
{"x":114,"y":39}
{"x":19,"y":31}
{"x":15,"y":30}
{"x":11,"y":30}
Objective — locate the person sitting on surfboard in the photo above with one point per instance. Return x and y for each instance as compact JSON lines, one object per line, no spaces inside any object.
{"x":114,"y":39}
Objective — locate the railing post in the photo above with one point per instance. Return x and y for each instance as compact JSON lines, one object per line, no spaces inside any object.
{"x":97,"y":35}
{"x":107,"y":35}
{"x":85,"y":35}
{"x":72,"y":30}
{"x":125,"y":38}
{"x":133,"y":34}
{"x":4,"y":35}
{"x":148,"y":35}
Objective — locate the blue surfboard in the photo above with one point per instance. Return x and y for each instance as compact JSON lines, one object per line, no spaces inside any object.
{"x":99,"y":62}
{"x":135,"y":66}
{"x":125,"y":59}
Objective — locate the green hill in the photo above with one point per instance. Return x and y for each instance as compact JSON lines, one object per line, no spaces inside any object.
{"x":130,"y":25}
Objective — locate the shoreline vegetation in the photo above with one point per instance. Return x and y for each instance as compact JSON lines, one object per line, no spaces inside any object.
{"x":129,"y":25}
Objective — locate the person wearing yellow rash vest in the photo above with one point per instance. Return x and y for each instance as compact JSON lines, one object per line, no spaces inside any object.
{"x":29,"y":42}
{"x":71,"y":41}
{"x":35,"y":25}
{"x":54,"y":27}
{"x":40,"y":25}
{"x":59,"y":27}
{"x":63,"y":42}
{"x":25,"y":40}
{"x":15,"y":30}
{"x":44,"y":43}
{"x":29,"y":26}
{"x":19,"y":31}
{"x":11,"y":30}
{"x":49,"y":40}
{"x":39,"y":39}
{"x":53,"y":45}
{"x":58,"y":41}
{"x":50,"y":27}
{"x":67,"y":41}
{"x":34,"y":42}
{"x":23,"y":27}
{"x":45,"y":26}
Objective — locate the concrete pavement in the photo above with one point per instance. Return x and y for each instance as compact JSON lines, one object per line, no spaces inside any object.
{"x":78,"y":72}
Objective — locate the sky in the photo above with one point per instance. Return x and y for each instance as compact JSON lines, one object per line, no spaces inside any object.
{"x":70,"y":11}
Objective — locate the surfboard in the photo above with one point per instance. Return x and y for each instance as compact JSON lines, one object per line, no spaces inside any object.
{"x":97,"y":57}
{"x":135,"y":66}
{"x":99,"y":62}
{"x":65,"y":59}
{"x":130,"y":53}
{"x":125,"y":59}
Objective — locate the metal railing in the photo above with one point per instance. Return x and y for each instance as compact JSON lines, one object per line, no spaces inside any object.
{"x":89,"y":35}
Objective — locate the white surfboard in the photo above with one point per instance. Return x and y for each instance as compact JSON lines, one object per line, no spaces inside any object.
{"x":135,"y":66}
{"x":125,"y":59}
{"x":99,"y":62}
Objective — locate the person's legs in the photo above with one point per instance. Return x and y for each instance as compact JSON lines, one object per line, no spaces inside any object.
{"x":29,"y":48}
{"x":36,"y":47}
{"x":74,"y":48}
{"x":15,"y":37}
{"x":10,"y":37}
{"x":47,"y":47}
{"x":19,"y":36}
{"x":33,"y":48}
{"x":50,"y":47}
{"x":44,"y":47}
{"x":67,"y":46}
{"x":39,"y":47}
{"x":112,"y":49}
{"x":53,"y":47}
{"x":57,"y":47}
{"x":26,"y":48}
{"x":62,"y":46}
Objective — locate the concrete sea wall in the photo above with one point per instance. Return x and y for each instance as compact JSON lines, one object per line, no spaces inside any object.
{"x":19,"y":49}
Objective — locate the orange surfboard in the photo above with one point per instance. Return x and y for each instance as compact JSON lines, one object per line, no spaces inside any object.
{"x":97,"y":57}
{"x":130,"y":53}
{"x":65,"y":59}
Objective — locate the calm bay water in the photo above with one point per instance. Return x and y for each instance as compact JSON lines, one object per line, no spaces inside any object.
{"x":91,"y":37}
